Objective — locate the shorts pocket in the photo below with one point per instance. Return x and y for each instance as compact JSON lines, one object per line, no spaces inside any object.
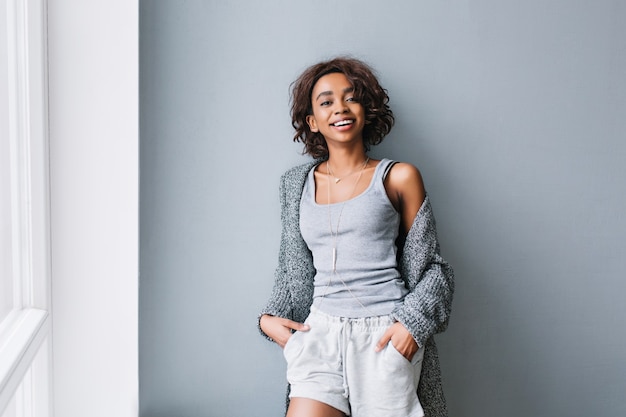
{"x":417,"y":357}
{"x":396,"y":353}
{"x":397,"y":372}
{"x":293,"y":347}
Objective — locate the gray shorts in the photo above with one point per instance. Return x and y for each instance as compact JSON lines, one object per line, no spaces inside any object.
{"x":335,"y":363}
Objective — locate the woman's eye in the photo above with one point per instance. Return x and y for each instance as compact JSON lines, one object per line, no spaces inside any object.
{"x":324,"y":103}
{"x":350,"y":99}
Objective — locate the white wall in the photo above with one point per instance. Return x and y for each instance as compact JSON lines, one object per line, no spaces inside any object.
{"x":93,"y":65}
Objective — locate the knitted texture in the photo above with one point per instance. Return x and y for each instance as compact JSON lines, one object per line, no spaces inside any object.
{"x":430,"y":280}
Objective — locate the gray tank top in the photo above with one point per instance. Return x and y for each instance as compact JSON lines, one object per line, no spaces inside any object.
{"x":365,"y":280}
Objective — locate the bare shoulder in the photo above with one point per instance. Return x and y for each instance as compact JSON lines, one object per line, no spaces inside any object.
{"x":405,"y":189}
{"x":405,"y":177}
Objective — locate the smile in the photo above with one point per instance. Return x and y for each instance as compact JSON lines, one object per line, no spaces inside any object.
{"x":343,"y":122}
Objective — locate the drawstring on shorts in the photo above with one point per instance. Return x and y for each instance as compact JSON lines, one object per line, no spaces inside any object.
{"x":346,"y":333}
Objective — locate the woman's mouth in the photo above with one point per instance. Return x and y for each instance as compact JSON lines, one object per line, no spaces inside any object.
{"x":343,"y":123}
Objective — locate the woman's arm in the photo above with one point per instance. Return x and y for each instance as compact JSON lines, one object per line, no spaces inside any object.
{"x":405,"y":188}
{"x":426,"y":308}
{"x":430,"y":279}
{"x":279,"y":303}
{"x":280,"y":315}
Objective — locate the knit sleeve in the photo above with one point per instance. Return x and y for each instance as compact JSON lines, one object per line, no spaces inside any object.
{"x":279,"y":303}
{"x":430,"y":279}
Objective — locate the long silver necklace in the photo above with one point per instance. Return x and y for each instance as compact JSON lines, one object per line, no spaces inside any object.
{"x":334,"y":234}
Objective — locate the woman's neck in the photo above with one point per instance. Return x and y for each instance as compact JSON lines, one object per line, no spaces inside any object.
{"x":344,"y":164}
{"x":346,"y":160}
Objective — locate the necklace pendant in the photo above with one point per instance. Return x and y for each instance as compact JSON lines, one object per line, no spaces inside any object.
{"x":337,"y":180}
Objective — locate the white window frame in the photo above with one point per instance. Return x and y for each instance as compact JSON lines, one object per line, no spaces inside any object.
{"x":25,"y":347}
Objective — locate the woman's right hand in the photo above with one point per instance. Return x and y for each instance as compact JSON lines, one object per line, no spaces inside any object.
{"x":280,"y":329}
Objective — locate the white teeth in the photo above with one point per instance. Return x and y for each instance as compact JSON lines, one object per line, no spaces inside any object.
{"x":343,"y":123}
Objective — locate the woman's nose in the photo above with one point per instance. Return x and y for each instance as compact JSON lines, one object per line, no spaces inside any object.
{"x":341,"y":108}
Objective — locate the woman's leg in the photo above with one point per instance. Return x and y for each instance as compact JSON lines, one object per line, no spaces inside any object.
{"x":306,"y":407}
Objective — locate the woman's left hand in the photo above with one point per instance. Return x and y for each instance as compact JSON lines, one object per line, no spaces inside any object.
{"x":401,"y":340}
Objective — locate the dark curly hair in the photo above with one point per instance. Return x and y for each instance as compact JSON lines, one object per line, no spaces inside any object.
{"x":368,"y":91}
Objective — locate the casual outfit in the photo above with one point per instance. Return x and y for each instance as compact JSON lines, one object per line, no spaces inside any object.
{"x":338,"y":272}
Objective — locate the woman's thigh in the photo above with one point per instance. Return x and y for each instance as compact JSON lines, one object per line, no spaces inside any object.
{"x":306,"y":407}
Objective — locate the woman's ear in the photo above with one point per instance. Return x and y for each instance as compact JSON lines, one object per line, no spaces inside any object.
{"x":310,"y":119}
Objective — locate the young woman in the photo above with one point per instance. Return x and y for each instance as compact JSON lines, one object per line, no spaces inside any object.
{"x":360,"y":287}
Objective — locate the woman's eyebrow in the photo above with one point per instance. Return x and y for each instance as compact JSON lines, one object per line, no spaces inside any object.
{"x":324,"y":93}
{"x":330,"y":93}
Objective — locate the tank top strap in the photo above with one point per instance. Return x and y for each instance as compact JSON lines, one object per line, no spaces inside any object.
{"x":388,"y":164}
{"x":382,"y":170}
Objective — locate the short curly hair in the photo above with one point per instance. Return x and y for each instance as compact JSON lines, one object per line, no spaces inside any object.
{"x":373,"y":97}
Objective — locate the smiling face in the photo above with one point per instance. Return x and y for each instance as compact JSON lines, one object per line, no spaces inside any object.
{"x":336,"y":113}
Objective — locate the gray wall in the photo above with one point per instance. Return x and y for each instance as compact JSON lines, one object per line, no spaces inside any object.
{"x":513,"y":111}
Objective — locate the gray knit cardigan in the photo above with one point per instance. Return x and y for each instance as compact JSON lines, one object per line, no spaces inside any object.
{"x":430,"y":280}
